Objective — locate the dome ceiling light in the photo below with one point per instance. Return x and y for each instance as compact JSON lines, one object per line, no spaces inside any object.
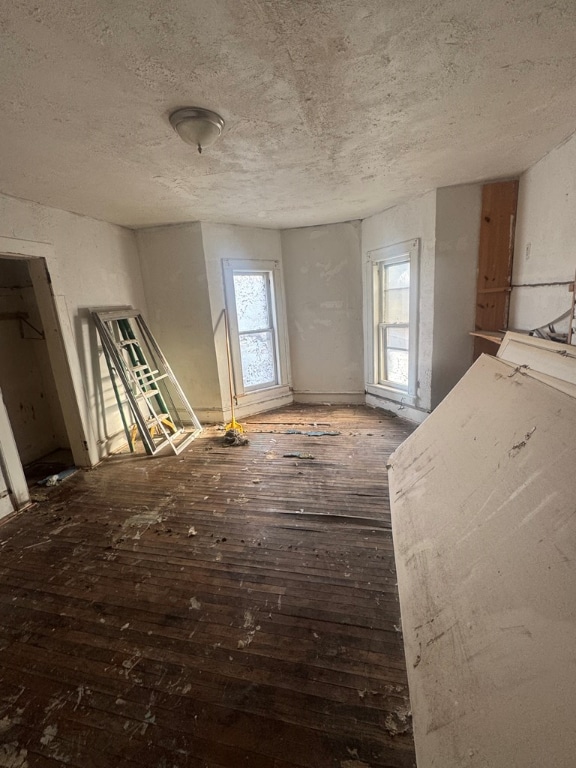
{"x":197,"y":126}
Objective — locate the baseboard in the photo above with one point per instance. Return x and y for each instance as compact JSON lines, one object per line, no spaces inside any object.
{"x":251,"y":409}
{"x":204,"y":416}
{"x":329,"y":398}
{"x":112,"y":444}
{"x":409,"y":412}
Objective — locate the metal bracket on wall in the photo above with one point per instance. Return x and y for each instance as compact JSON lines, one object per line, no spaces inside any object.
{"x":161,"y":413}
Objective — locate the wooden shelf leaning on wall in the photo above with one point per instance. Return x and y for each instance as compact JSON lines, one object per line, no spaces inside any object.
{"x":487,"y":342}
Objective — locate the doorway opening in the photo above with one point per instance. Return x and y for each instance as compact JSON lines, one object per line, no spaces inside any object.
{"x":34,"y":440}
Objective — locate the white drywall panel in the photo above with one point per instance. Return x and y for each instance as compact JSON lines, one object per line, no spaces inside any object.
{"x":545,"y":237}
{"x":458,"y":212}
{"x":323,"y":281}
{"x":484,"y":531}
{"x":414,"y":219}
{"x":176,"y":287}
{"x":227,"y":241}
{"x":92,"y":264}
{"x":549,"y":357}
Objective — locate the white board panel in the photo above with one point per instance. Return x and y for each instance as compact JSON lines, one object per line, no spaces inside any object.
{"x":483,"y":501}
{"x":12,"y":480}
{"x":549,"y":357}
{"x":5,"y":502}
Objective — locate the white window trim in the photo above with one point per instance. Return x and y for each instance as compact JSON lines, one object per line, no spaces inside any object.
{"x":229,"y":266}
{"x":374,"y":258}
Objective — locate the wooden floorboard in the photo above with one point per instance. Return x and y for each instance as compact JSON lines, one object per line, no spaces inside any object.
{"x":226,"y":607}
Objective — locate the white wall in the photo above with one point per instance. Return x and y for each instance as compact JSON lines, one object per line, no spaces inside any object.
{"x":545,"y":239}
{"x":414,"y":219}
{"x":323,"y":279}
{"x":176,"y":287}
{"x":93,"y":264}
{"x":227,"y":241}
{"x":458,"y":212}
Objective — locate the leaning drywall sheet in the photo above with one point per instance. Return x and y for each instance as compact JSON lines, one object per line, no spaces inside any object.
{"x":484,"y":519}
{"x":548,"y":357}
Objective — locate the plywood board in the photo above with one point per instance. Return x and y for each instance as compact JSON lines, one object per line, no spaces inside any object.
{"x":484,"y":527}
{"x":495,"y":254}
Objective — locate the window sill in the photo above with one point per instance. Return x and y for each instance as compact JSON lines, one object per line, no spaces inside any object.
{"x":388,"y":393}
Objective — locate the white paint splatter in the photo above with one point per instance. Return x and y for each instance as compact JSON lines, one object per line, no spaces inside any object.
{"x":142,"y":521}
{"x":63,"y":527}
{"x":48,"y":735}
{"x":80,"y":691}
{"x":195,"y":604}
{"x":149,"y":719}
{"x":11,"y":756}
{"x":56,"y":703}
{"x":7,"y":722}
{"x":130,"y":663}
{"x":249,"y":622}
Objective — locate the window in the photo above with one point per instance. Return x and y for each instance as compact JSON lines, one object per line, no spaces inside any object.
{"x":393,"y":276}
{"x":256,"y":331}
{"x":255,"y":313}
{"x":394,"y":322}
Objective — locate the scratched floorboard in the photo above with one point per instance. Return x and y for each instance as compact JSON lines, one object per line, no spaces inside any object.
{"x":227,"y":607}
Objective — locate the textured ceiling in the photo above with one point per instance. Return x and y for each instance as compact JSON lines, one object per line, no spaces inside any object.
{"x":335,"y":109}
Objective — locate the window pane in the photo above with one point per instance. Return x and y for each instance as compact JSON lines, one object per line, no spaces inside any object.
{"x":398,"y":337}
{"x":251,"y":295}
{"x":397,"y":366}
{"x":396,"y":305}
{"x":258,"y":359}
{"x":398,"y":275}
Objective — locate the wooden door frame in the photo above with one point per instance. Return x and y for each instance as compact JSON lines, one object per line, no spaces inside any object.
{"x":11,"y":466}
{"x":37,"y":254}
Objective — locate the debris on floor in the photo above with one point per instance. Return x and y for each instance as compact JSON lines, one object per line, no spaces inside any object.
{"x":310,"y":434}
{"x":58,"y":478}
{"x":224,"y":593}
{"x":235,"y":437}
{"x":298,"y":455}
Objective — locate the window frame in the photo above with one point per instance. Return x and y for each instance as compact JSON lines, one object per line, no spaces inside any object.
{"x":273,"y":272}
{"x":377,"y":259}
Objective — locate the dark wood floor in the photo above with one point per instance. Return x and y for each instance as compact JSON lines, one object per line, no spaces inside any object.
{"x":223,"y":608}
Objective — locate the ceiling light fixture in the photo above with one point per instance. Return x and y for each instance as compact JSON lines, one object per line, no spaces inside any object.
{"x":197,"y":126}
